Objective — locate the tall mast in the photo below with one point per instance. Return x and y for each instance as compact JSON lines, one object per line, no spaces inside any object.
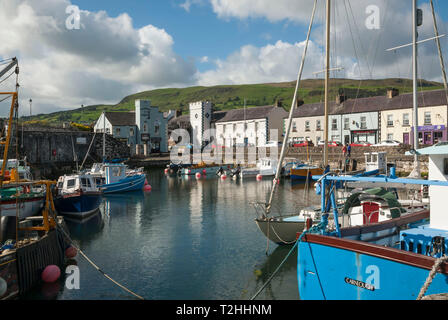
{"x":291,"y":112}
{"x":327,"y":76}
{"x":414,"y":85}
{"x":439,"y":48}
{"x":104,"y":136}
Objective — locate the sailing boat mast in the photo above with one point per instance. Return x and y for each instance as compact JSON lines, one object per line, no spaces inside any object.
{"x":291,"y":111}
{"x":439,"y":48}
{"x":327,"y":76}
{"x":416,"y":171}
{"x":104,"y":136}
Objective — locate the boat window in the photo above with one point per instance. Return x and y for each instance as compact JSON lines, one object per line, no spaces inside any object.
{"x":98,"y":181}
{"x":89,"y":185}
{"x":70,"y":183}
{"x":84,"y":182}
{"x":60,"y":184}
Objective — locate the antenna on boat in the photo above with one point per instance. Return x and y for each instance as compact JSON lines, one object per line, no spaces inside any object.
{"x":104,"y":136}
{"x":291,"y":111}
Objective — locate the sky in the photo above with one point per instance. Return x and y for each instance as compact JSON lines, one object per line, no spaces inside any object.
{"x":123,"y":47}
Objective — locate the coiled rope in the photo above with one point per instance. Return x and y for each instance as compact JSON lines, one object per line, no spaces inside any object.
{"x":94,"y":265}
{"x":431,"y":276}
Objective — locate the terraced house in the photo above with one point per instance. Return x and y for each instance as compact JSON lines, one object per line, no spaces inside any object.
{"x":374,"y":119}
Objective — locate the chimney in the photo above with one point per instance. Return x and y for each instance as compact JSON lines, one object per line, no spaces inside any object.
{"x":393,"y":92}
{"x":299,"y":102}
{"x":340,"y":98}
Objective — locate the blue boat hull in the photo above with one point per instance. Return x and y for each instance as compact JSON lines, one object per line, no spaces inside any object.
{"x":332,"y":268}
{"x":79,"y":205}
{"x":130,"y":183}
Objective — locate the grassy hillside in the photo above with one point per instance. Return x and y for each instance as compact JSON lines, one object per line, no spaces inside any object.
{"x":227,"y":97}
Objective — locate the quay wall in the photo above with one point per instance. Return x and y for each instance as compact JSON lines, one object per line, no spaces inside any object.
{"x":51,"y":152}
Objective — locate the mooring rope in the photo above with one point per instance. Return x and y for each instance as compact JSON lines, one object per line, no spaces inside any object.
{"x":95,"y":266}
{"x":431,"y":276}
{"x":321,"y":226}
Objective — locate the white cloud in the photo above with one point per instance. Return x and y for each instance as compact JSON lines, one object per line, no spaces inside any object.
{"x":106,"y":59}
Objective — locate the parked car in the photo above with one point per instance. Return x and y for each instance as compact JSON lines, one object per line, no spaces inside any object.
{"x":360,"y":144}
{"x":330,"y":143}
{"x":303,"y":144}
{"x":388,"y":143}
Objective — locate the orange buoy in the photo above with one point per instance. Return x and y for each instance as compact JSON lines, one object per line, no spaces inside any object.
{"x":51,"y":273}
{"x":71,"y":252}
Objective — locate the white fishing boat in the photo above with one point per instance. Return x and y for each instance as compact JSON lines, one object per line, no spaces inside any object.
{"x":265,"y":167}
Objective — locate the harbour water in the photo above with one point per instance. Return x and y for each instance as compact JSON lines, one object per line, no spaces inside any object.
{"x":186,"y":239}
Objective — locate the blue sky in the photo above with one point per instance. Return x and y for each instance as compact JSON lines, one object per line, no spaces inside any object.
{"x":199,"y":32}
{"x":124,"y":47}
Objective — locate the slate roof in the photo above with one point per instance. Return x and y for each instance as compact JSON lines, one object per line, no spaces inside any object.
{"x":372,"y":104}
{"x":121,"y":118}
{"x":248,"y":113}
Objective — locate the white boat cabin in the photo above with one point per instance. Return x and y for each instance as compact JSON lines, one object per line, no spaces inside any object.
{"x":73,"y":183}
{"x":114,"y":172}
{"x":376,"y":161}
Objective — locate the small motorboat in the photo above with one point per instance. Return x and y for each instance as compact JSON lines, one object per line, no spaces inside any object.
{"x":77,"y":196}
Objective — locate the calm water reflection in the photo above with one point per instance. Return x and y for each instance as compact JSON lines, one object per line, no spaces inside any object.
{"x":186,"y":239}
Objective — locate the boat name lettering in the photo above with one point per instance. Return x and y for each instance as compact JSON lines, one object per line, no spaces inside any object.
{"x":359,"y":284}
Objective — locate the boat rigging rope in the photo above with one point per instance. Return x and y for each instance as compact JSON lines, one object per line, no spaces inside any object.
{"x":94,"y":265}
{"x":431,"y":276}
{"x":317,"y":228}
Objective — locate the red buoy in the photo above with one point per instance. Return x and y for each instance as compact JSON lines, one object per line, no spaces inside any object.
{"x":51,"y":273}
{"x":147,"y":188}
{"x":204,"y":171}
{"x":259,"y":177}
{"x":71,"y":252}
{"x":223,"y":177}
{"x":198,"y":175}
{"x":166,"y":170}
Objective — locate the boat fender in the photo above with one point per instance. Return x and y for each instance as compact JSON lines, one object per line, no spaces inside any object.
{"x":204,"y":171}
{"x":166,"y":170}
{"x":198,"y":175}
{"x":51,"y":273}
{"x":147,"y":188}
{"x":223,"y":177}
{"x":3,"y":287}
{"x":259,"y":177}
{"x":71,"y":252}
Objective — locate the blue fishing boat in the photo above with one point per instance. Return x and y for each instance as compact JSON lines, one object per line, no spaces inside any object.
{"x":117,"y":178}
{"x":77,"y":196}
{"x":332,"y":265}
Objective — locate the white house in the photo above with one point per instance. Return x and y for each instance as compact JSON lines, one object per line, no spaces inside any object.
{"x":144,"y":130}
{"x":250,"y":126}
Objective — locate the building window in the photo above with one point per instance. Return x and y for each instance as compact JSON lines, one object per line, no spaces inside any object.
{"x":307,"y":126}
{"x":390,"y":136}
{"x":117,"y":131}
{"x":334,"y":124}
{"x":390,"y":120}
{"x":318,"y":126}
{"x":346,"y":124}
{"x":156,"y":128}
{"x":335,"y":138}
{"x":294,"y":126}
{"x":405,"y":119}
{"x":234,"y":127}
{"x":438,"y":136}
{"x":131,"y":132}
{"x":427,"y":118}
{"x":144,"y":127}
{"x":363,"y":122}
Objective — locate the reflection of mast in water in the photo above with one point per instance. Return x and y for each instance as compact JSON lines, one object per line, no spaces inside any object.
{"x":196,"y":209}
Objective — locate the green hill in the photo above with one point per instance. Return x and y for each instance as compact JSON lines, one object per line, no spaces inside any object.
{"x":225,"y":97}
